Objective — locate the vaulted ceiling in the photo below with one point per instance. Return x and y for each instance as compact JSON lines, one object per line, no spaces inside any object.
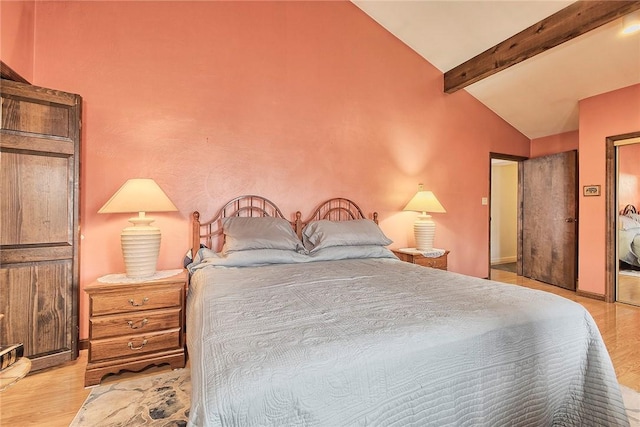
{"x":538,"y":96}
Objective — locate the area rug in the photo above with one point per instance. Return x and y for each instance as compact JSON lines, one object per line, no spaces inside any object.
{"x":164,"y":399}
{"x":632,"y":404}
{"x":158,"y":400}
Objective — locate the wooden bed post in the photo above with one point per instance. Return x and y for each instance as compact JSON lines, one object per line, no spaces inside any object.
{"x":297,"y":225}
{"x":195,"y":236}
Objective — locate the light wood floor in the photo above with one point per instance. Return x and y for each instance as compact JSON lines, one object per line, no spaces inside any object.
{"x":53,"y":397}
{"x":629,"y":289}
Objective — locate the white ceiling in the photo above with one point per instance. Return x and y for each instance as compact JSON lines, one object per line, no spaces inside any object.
{"x":539,"y":96}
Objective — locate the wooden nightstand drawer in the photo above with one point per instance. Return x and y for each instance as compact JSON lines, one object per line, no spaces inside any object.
{"x":415,"y":257}
{"x":135,"y":300}
{"x":440,"y":262}
{"x":135,"y":322}
{"x":132,"y":345}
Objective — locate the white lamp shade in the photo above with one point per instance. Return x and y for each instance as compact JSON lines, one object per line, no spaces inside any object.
{"x":138,"y":195}
{"x":424,"y":229}
{"x":425,"y":201}
{"x":140,"y":242}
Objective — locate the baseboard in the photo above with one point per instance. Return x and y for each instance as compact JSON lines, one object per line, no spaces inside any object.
{"x":591,"y":295}
{"x":504,"y":260}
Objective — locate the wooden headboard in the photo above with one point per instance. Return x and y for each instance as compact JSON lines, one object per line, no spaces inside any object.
{"x":628,"y":209}
{"x":210,"y":232}
{"x":338,"y":209}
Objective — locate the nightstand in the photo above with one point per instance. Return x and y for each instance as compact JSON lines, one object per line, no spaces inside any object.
{"x":135,"y":325}
{"x":415,"y":257}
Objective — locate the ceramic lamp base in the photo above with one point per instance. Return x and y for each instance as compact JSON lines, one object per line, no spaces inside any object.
{"x":424,"y":230}
{"x":140,"y":248}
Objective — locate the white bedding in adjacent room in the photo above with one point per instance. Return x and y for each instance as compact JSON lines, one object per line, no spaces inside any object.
{"x":629,"y":246}
{"x":629,"y":237}
{"x":382,"y":342}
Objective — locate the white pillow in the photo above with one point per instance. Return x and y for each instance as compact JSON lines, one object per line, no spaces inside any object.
{"x":635,"y":217}
{"x":627,"y":222}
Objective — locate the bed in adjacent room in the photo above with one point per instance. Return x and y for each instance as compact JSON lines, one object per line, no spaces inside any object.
{"x":324,"y":326}
{"x":629,"y":236}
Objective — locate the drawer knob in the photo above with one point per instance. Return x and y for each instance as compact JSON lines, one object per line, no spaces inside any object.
{"x":141,"y":323}
{"x":135,"y":304}
{"x":137,"y":348}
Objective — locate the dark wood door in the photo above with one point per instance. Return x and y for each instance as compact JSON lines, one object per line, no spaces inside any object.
{"x":549,"y":219}
{"x":39,"y":179}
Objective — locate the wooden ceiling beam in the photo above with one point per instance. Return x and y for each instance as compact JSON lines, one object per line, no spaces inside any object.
{"x":574,"y":20}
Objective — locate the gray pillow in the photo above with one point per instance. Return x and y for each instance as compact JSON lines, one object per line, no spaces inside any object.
{"x":248,"y":233}
{"x":323,"y":234}
{"x":249,"y":258}
{"x":351,"y":252}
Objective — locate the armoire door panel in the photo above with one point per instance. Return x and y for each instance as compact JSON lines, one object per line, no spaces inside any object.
{"x":35,"y":117}
{"x":39,"y":218}
{"x":34,"y":207}
{"x":36,"y":305}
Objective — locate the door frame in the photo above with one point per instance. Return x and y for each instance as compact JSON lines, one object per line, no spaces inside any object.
{"x":611,"y":239}
{"x":519,"y":160}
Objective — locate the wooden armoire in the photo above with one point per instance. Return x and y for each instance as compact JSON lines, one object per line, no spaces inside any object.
{"x":39,"y":221}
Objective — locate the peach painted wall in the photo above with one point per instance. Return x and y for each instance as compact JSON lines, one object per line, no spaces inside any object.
{"x":629,"y":176}
{"x":552,"y":144}
{"x":610,"y":114}
{"x":17,"y":19}
{"x":295,"y":101}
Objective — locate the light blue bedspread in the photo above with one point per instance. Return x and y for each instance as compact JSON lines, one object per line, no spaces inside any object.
{"x":382,"y":342}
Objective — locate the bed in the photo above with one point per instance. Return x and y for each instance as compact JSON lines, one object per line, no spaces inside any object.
{"x":323,"y":326}
{"x":629,"y":236}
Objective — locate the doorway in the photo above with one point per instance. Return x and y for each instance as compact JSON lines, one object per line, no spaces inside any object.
{"x":504,"y":213}
{"x":623,"y":181}
{"x":546,"y":238}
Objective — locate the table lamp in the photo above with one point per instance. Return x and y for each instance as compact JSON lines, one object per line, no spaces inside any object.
{"x":141,"y":241}
{"x":424,"y":228}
